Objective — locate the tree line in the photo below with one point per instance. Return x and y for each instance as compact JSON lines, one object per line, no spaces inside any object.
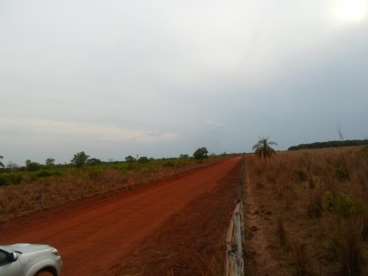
{"x":330,"y":144}
{"x":81,"y":159}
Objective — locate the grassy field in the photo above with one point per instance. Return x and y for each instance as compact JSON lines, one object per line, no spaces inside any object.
{"x":23,"y":192}
{"x":311,"y":210}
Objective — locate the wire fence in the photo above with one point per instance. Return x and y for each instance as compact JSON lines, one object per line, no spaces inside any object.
{"x":234,"y":263}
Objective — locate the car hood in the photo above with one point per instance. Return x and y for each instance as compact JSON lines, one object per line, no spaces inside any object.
{"x":26,"y":247}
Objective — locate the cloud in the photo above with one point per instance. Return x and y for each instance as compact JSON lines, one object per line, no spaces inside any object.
{"x":162,"y":78}
{"x":72,"y":130}
{"x":214,"y":125}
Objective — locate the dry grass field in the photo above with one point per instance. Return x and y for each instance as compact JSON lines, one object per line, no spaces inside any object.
{"x":307,"y":213}
{"x":50,"y":188}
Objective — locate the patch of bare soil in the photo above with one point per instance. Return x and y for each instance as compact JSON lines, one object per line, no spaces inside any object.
{"x":191,"y":242}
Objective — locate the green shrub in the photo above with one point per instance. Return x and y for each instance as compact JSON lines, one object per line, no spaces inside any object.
{"x":3,"y":180}
{"x":16,"y":178}
{"x":32,"y":166}
{"x":184,"y":156}
{"x":342,"y":205}
{"x":342,"y":173}
{"x":143,"y":159}
{"x":47,"y":173}
{"x":11,"y":179}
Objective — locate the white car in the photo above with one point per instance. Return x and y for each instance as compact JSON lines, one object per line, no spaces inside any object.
{"x":29,"y":260}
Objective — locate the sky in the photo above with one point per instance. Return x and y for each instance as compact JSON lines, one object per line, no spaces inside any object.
{"x":161,"y":78}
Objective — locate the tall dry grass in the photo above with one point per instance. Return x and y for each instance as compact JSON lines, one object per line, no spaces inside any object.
{"x":319,"y":203}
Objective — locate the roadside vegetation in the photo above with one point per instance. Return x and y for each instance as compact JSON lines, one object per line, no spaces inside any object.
{"x":312,"y":209}
{"x":38,"y":186}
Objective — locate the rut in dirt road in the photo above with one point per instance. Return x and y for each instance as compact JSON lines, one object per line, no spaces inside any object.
{"x":96,"y":236}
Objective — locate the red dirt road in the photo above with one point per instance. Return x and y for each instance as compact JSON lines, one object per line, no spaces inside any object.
{"x":97,"y":234}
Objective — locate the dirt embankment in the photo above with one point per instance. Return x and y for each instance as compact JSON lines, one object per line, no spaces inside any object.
{"x":96,"y":235}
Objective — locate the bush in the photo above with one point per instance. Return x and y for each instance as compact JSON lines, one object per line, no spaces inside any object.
{"x":80,"y":159}
{"x":130,"y":159}
{"x":143,"y":159}
{"x":3,"y":180}
{"x":93,"y":161}
{"x":184,"y":156}
{"x":342,"y":205}
{"x":201,"y":153}
{"x":10,"y":179}
{"x":46,"y":173}
{"x":342,"y":173}
{"x":32,"y":166}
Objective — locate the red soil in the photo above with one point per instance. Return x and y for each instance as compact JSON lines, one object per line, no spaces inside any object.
{"x":96,"y":235}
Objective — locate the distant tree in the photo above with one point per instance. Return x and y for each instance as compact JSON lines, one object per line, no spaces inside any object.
{"x":32,"y":166}
{"x":184,"y":156}
{"x":93,"y":161}
{"x":263,"y":148}
{"x":80,"y":159}
{"x":201,"y":153}
{"x":130,"y":159}
{"x":143,"y":159}
{"x":50,"y":162}
{"x":1,"y":163}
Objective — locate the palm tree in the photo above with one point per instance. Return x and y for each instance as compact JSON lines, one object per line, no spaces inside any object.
{"x":263,"y":148}
{"x":1,"y":163}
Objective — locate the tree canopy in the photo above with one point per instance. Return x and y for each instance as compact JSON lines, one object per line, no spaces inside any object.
{"x":130,"y":159}
{"x":32,"y":166}
{"x":263,"y":148}
{"x":94,"y":161}
{"x":50,"y":162}
{"x":80,"y":159}
{"x":201,"y":153}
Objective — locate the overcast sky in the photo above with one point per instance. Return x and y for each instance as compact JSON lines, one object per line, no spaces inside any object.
{"x":160,"y":78}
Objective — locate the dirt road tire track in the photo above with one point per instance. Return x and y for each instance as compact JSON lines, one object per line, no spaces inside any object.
{"x":191,"y":242}
{"x":96,"y":236}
